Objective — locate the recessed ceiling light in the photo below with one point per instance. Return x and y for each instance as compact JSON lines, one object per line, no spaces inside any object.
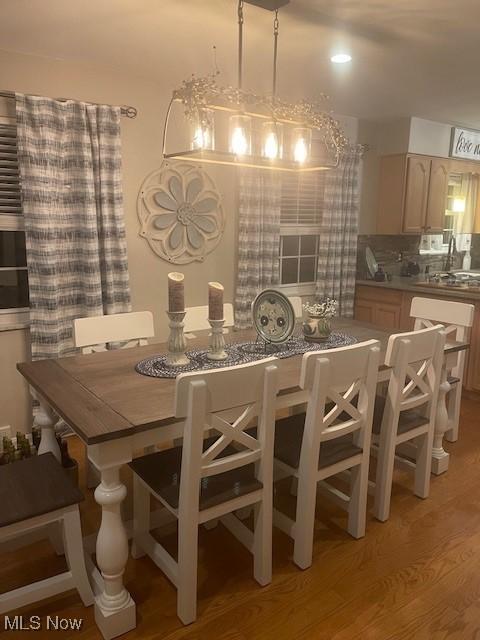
{"x":341,"y":58}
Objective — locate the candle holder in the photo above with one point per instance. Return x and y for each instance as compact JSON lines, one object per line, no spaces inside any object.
{"x":217,"y":341}
{"x":176,"y":341}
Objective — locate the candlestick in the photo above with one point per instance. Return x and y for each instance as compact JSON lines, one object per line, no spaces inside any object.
{"x":217,"y":341}
{"x":215,"y":301}
{"x":176,"y":294}
{"x":176,"y":341}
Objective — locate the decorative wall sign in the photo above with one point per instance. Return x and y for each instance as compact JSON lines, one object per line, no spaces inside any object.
{"x":180,"y":212}
{"x":465,"y":143}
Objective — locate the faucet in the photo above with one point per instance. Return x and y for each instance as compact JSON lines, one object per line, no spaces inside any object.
{"x":452,"y":250}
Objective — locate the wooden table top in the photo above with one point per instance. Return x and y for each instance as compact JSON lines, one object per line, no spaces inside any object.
{"x":102,"y":397}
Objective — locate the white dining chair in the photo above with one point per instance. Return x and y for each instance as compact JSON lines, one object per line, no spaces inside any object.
{"x":36,"y":493}
{"x":203,"y":480}
{"x":121,"y":330}
{"x":458,"y":319}
{"x":196,"y":319}
{"x":332,"y":437}
{"x":296,"y":302}
{"x":118,"y":330}
{"x":407,"y":413}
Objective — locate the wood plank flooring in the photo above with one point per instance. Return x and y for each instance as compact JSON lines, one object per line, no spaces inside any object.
{"x":416,"y":576}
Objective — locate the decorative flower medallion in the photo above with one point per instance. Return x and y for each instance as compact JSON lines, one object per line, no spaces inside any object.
{"x":180,"y":212}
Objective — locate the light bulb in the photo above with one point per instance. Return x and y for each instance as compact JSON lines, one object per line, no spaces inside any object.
{"x":272,"y":140}
{"x":271,"y":146}
{"x":239,"y":143}
{"x":302,"y":142}
{"x":300,"y":153}
{"x":240,"y":135}
{"x":203,"y":130}
{"x":200,"y":138}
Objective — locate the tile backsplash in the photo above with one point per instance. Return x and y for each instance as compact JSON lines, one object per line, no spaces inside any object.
{"x":393,"y":251}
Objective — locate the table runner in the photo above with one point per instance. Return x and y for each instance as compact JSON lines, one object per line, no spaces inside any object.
{"x":239,"y":353}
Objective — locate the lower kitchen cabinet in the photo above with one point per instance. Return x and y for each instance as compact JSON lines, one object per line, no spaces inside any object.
{"x":390,"y":309}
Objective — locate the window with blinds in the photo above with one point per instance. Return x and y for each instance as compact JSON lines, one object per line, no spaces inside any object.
{"x":302,"y":198}
{"x":301,"y":210}
{"x":13,"y":261}
{"x":10,"y":200}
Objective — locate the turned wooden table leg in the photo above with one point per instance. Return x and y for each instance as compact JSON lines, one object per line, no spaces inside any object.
{"x":115,"y":612}
{"x":440,"y":457}
{"x":46,"y":420}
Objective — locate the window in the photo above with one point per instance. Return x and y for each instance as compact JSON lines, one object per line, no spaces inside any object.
{"x":301,"y":212}
{"x":13,"y":263}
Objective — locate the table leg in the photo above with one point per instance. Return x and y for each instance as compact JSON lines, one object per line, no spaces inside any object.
{"x":115,"y":612}
{"x":46,"y":420}
{"x":440,"y":457}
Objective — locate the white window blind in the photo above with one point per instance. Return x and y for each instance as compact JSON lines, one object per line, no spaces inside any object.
{"x":302,"y":194}
{"x":302,"y":198}
{"x":10,"y":196}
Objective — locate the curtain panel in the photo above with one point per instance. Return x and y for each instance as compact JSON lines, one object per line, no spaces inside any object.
{"x":339,"y":231}
{"x":70,"y":168}
{"x":259,"y":195}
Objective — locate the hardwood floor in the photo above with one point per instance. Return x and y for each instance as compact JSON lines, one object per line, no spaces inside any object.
{"x":416,"y":576}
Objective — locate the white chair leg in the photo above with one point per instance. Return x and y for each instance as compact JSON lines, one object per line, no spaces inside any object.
{"x":56,"y":538}
{"x":305,"y":522}
{"x":424,"y":465}
{"x":74,"y":554}
{"x":262,"y":540}
{"x":453,"y":407}
{"x":141,"y":515}
{"x":357,"y":508}
{"x":187,"y":569}
{"x":384,"y":477}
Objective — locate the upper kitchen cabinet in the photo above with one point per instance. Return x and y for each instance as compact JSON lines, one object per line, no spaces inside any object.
{"x":412,"y":194}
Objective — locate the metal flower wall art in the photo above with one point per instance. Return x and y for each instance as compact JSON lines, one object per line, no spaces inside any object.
{"x":180,"y":212}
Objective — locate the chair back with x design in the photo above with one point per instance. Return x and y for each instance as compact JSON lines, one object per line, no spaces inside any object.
{"x":342,"y":386}
{"x":203,"y":399}
{"x":416,"y":359}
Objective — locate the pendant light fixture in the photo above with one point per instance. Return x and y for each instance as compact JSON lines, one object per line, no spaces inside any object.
{"x":240,"y":124}
{"x":256,"y":126}
{"x":272,"y":131}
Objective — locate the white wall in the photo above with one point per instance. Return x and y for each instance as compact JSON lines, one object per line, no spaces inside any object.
{"x":429,"y":138}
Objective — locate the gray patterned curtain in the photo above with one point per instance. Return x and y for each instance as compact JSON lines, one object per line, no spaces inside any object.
{"x":259,"y":197}
{"x":70,"y":167}
{"x":338,"y":238}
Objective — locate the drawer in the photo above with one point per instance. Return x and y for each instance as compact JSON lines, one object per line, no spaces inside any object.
{"x":378,"y":294}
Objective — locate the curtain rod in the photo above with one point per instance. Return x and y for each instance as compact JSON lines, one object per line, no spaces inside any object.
{"x":128,"y":112}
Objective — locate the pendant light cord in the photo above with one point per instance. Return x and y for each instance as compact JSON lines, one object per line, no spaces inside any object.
{"x":240,"y":42}
{"x":275,"y":51}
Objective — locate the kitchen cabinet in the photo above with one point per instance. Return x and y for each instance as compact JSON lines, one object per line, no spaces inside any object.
{"x":412,"y":194}
{"x":379,"y":307}
{"x":390,"y":309}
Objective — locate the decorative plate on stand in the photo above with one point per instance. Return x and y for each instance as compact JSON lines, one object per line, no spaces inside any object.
{"x":273,"y":316}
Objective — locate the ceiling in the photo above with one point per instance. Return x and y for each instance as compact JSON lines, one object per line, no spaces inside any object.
{"x":410,"y":57}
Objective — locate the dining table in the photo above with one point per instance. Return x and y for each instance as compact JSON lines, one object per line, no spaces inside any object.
{"x":117,"y":411}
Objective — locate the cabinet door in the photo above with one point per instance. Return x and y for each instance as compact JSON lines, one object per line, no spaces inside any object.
{"x":364,"y":311}
{"x":416,"y":195}
{"x":437,"y":195}
{"x":387,"y":316}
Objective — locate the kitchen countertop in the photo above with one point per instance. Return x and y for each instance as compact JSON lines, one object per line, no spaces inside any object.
{"x":414,"y":285}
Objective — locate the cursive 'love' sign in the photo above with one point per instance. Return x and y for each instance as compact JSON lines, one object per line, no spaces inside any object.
{"x":465,"y":143}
